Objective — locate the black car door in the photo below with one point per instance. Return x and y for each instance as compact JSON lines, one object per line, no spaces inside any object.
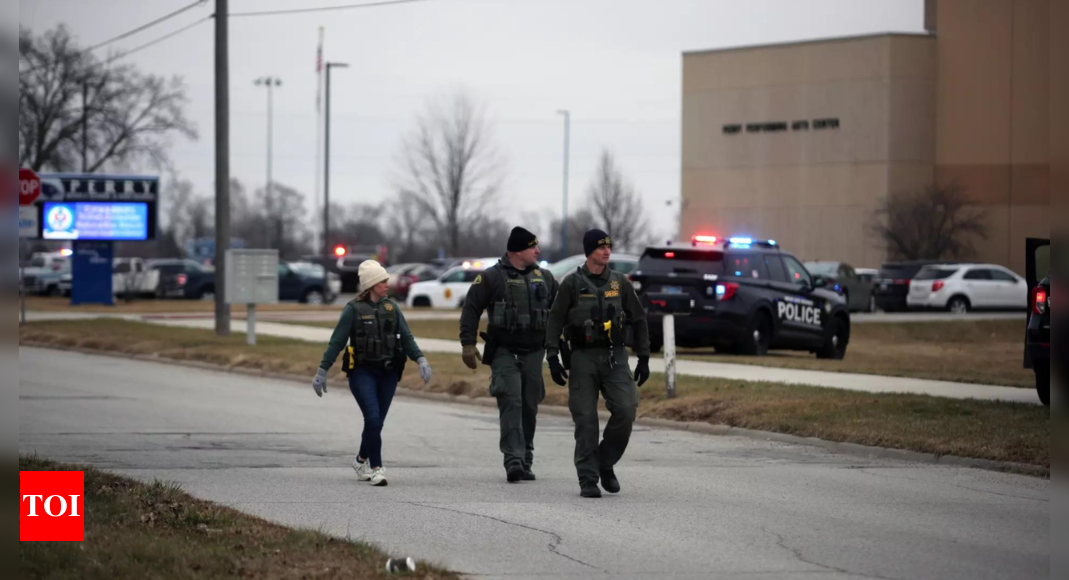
{"x":800,"y":309}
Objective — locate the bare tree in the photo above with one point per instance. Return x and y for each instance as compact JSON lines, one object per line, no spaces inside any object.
{"x":578,"y":223}
{"x":76,"y":112}
{"x":450,"y":168}
{"x":616,"y":206}
{"x":933,"y":223}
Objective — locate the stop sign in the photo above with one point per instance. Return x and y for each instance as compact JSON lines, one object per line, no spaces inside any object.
{"x":29,"y":186}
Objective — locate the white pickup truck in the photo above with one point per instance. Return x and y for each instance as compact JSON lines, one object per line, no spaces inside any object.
{"x":133,"y":277}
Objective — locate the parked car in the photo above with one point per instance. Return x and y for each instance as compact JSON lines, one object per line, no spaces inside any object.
{"x":450,"y":289}
{"x":184,"y":279}
{"x":959,"y":288}
{"x":892,"y":283}
{"x":868,"y":275}
{"x":333,"y":279}
{"x":622,"y":263}
{"x":304,"y":282}
{"x":846,"y":281}
{"x":403,"y":276}
{"x":134,"y":277}
{"x":44,"y":273}
{"x":1037,"y":336}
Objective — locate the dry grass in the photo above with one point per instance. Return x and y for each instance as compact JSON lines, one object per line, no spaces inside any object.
{"x":984,"y":352}
{"x":989,"y":430}
{"x":136,"y":530}
{"x":151,"y":306}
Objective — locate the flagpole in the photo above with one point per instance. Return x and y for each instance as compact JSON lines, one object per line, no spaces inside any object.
{"x":319,"y":135}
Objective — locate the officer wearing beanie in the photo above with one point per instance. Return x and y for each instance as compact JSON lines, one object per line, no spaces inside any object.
{"x":517,"y":295}
{"x":594,"y":309}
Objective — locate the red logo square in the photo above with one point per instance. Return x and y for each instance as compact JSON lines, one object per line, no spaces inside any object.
{"x":53,"y":506}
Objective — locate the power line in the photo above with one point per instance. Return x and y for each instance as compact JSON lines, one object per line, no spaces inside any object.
{"x":144,"y":26}
{"x":324,"y":8}
{"x":158,"y":40}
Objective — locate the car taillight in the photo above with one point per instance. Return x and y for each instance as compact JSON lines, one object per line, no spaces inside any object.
{"x":1039,"y":300}
{"x":181,"y":279}
{"x":726,"y":291}
{"x":938,"y":285}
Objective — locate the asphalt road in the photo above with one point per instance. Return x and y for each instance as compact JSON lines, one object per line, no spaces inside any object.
{"x":693,"y":506}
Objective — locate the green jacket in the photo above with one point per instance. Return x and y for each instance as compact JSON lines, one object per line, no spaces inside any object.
{"x":344,"y":328}
{"x":568,"y":297}
{"x":490,"y":288}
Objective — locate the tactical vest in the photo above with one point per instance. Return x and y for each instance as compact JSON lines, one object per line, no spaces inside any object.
{"x":374,"y":338}
{"x":520,"y":314}
{"x":597,"y":320}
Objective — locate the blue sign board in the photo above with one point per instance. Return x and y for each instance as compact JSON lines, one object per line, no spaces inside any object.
{"x":91,"y":272}
{"x":126,"y":221}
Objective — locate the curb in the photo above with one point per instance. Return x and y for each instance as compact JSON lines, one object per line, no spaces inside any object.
{"x":693,"y":427}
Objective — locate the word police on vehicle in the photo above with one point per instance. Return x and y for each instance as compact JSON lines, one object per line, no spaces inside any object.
{"x":795,"y":310}
{"x":741,"y":295}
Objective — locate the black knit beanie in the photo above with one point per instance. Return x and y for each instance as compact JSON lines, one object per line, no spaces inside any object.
{"x":594,"y":239}
{"x":521,"y":239}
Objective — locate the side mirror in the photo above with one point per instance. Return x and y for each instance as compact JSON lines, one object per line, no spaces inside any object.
{"x":820,"y":281}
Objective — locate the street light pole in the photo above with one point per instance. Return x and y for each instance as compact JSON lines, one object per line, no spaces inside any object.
{"x":271,"y":82}
{"x":326,"y":162}
{"x":564,"y":211}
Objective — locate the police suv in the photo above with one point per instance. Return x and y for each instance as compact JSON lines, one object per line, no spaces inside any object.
{"x":740,"y":295}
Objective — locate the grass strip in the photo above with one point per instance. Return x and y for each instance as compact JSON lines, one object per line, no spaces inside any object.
{"x":139,"y":530}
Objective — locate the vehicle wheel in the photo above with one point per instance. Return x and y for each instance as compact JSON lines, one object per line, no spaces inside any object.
{"x":758,"y":336}
{"x":421,"y":302}
{"x":207,"y":294}
{"x":872,"y":304}
{"x":834,"y":347}
{"x":54,"y":291}
{"x":656,"y":345}
{"x":958,"y":305}
{"x":1043,"y":383}
{"x":313,"y":296}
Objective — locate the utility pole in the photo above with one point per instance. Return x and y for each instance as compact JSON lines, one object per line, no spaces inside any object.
{"x":222,"y":167}
{"x":272,"y":82}
{"x":326,"y":162}
{"x":564,"y":211}
{"x":85,"y":125}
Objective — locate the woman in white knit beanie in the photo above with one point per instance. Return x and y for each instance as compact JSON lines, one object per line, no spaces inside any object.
{"x":379,"y":343}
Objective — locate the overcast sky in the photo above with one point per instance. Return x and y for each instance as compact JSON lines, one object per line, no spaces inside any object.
{"x":615,"y":64}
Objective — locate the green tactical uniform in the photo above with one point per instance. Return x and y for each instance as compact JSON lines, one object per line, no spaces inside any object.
{"x":584,"y":306}
{"x":518,"y":303}
{"x":377,"y":334}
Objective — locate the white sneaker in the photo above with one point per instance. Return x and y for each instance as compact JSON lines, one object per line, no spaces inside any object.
{"x":378,"y":477}
{"x":363,"y":470}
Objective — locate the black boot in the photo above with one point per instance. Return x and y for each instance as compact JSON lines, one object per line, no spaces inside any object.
{"x":609,"y":481}
{"x":528,"y":475}
{"x":515,"y":473}
{"x":589,"y":489}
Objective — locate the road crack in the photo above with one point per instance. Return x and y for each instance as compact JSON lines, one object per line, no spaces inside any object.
{"x":781,"y":542}
{"x":553,"y":546}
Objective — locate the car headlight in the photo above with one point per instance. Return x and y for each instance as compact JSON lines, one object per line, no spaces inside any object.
{"x":637,"y":285}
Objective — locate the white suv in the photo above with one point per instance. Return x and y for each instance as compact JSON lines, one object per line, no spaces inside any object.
{"x":960,"y":288}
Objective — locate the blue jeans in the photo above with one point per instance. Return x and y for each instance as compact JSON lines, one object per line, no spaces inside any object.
{"x":374,"y":390}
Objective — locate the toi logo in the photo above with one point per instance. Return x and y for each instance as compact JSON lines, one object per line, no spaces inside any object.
{"x":53,"y":506}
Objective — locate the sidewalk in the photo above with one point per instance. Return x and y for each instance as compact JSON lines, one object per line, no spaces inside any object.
{"x":847,"y":381}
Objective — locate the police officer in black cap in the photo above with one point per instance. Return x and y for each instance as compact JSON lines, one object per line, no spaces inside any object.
{"x":594,"y":309}
{"x":517,"y":295}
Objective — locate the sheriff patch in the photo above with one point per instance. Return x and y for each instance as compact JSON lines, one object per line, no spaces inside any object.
{"x":478,"y":280}
{"x":388,"y":306}
{"x":614,"y":285}
{"x":612,"y":293}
